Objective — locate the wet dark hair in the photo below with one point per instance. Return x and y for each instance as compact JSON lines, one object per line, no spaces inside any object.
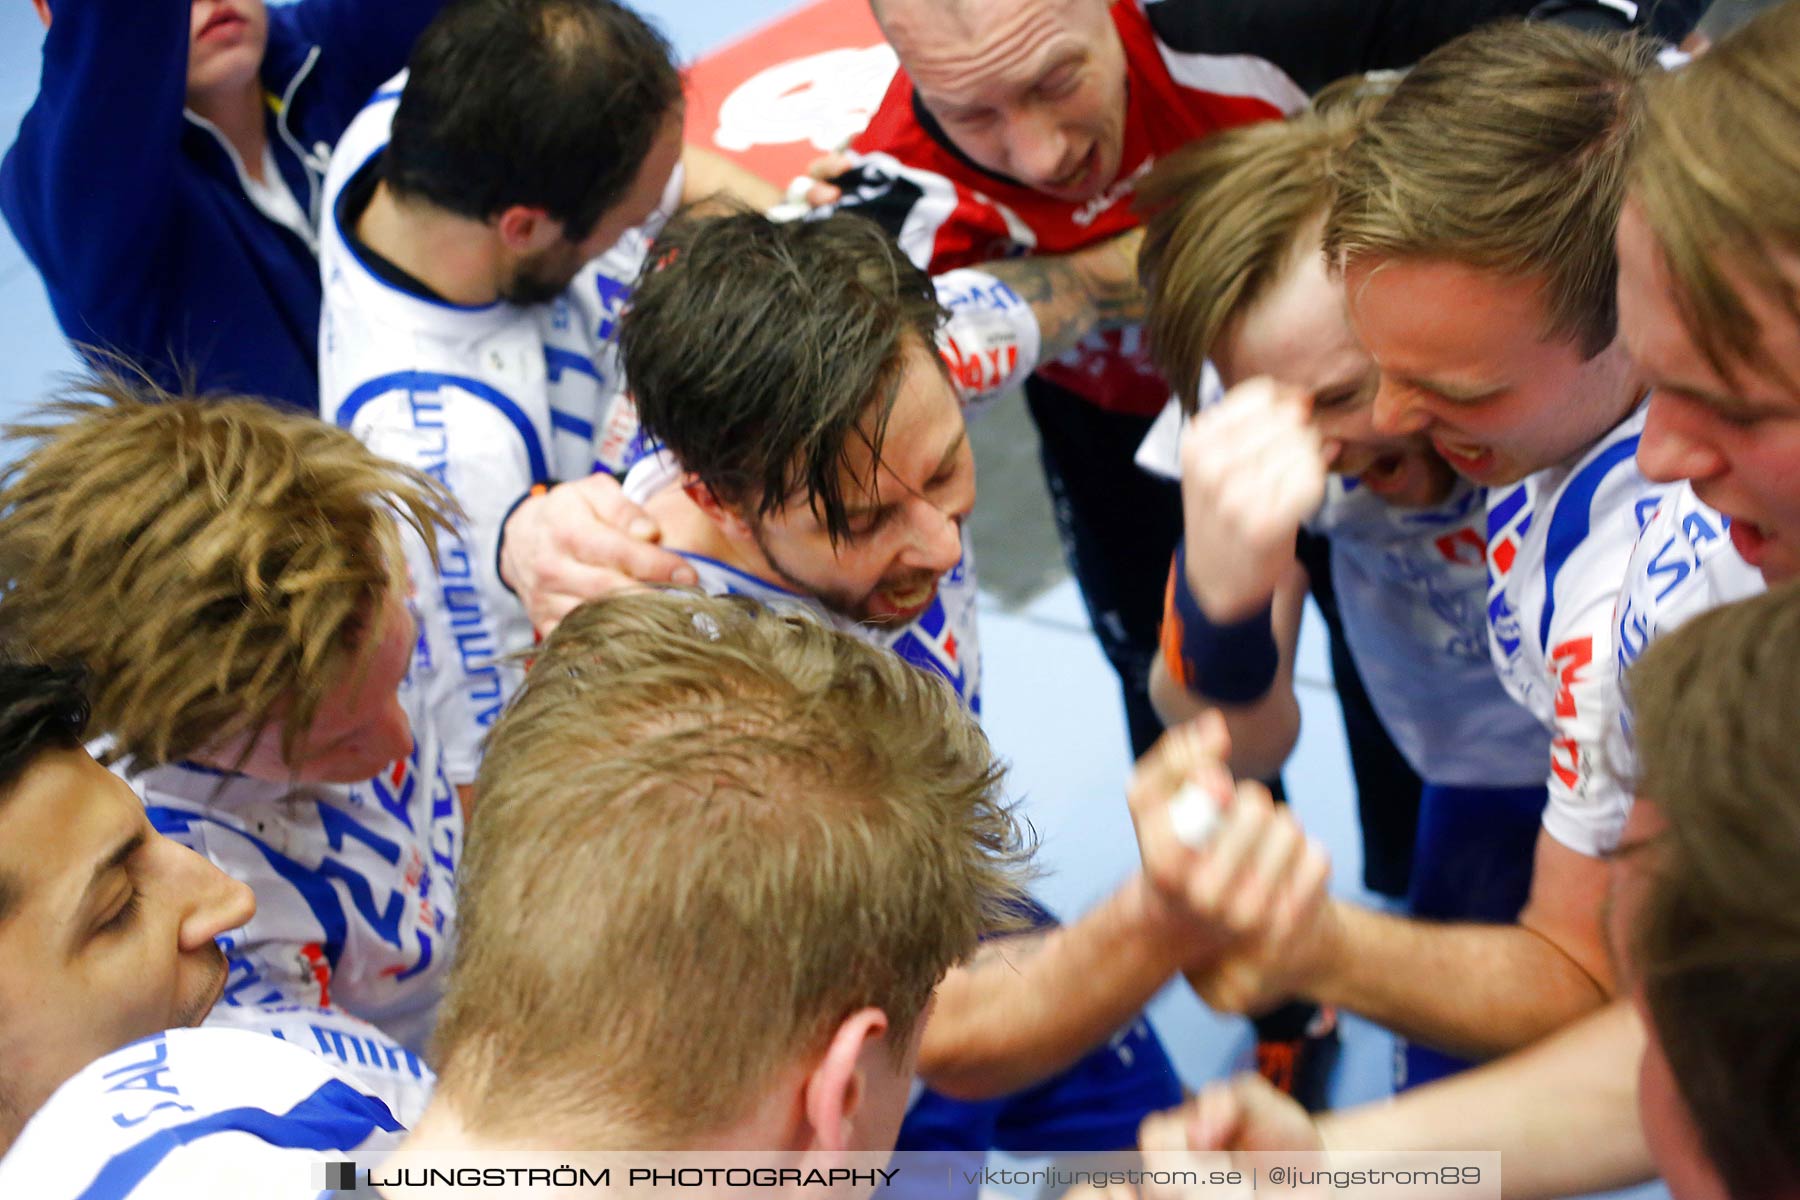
{"x":551,"y":104}
{"x":41,"y":708}
{"x":757,"y":349}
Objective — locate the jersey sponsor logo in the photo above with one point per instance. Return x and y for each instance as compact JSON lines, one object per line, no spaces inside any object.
{"x":477,"y":649}
{"x":1504,"y":624}
{"x":1090,"y":212}
{"x":145,"y":1077}
{"x":314,"y":962}
{"x":1679,"y":562}
{"x":363,"y":1051}
{"x":1634,"y":634}
{"x":613,"y":297}
{"x":1565,"y":761}
{"x":1567,"y":661}
{"x":621,"y":442}
{"x":1670,"y":566}
{"x":981,"y":370}
{"x":1509,"y":519}
{"x":1465,"y":547}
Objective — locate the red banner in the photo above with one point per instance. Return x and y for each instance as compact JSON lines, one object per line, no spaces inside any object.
{"x":782,"y":96}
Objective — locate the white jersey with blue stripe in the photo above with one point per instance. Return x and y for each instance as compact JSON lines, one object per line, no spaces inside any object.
{"x":1410,"y":586}
{"x":943,"y":639}
{"x":367,"y":1057}
{"x":1683,"y":565}
{"x":197,"y":1112}
{"x":490,"y":400}
{"x":1557,"y":548}
{"x":355,"y":884}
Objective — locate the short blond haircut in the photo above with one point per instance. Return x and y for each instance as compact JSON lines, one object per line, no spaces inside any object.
{"x":1718,"y":942}
{"x":1505,"y":150}
{"x":214,"y":563}
{"x":1717,"y":177}
{"x":706,"y":833}
{"x":1223,"y":216}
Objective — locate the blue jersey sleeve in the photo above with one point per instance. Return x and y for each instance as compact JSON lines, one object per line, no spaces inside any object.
{"x":89,"y":186}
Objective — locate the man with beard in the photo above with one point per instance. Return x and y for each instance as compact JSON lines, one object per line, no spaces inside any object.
{"x":484,"y":231}
{"x":468,"y":310}
{"x":820,"y":465}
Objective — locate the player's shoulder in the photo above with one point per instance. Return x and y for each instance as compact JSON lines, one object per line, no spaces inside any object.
{"x":366,"y":135}
{"x":1234,"y":26}
{"x":177,"y":1113}
{"x":1682,"y":564}
{"x":364,"y":1054}
{"x":1312,"y":41}
{"x":1593,"y":515}
{"x":722,"y":579}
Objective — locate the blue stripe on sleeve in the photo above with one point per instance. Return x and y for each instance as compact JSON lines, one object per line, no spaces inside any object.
{"x":1505,"y":510}
{"x":335,"y":1117}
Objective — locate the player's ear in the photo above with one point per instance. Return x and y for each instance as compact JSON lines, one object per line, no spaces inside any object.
{"x":525,"y":230}
{"x":835,"y":1088}
{"x":727,"y":517}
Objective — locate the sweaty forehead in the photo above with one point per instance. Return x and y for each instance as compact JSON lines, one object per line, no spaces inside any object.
{"x":1297,"y":330}
{"x":1428,"y":315}
{"x":958,"y":48}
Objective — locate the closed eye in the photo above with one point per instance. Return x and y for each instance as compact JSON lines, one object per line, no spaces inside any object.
{"x":123,"y":918}
{"x":1060,"y":83}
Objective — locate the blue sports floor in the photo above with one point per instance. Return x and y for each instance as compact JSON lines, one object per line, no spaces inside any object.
{"x":1050,"y":702}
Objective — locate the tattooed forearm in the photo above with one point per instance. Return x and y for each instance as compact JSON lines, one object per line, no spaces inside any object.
{"x":1058,"y":297}
{"x":1072,"y":295}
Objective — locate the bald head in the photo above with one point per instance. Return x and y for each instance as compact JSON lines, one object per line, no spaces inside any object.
{"x":907,"y":13}
{"x":1030,"y":89}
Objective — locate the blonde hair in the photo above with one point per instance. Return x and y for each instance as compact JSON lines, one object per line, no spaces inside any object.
{"x":1504,"y":150}
{"x":1718,"y":941}
{"x":210,"y":561}
{"x":706,"y":834}
{"x":1717,"y":177}
{"x":1223,"y":216}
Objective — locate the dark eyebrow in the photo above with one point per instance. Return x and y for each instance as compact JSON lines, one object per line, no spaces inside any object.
{"x":869,"y":510}
{"x":114,"y":861}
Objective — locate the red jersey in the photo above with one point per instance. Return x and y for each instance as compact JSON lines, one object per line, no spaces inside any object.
{"x":949,"y":213}
{"x":1193,"y":67}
